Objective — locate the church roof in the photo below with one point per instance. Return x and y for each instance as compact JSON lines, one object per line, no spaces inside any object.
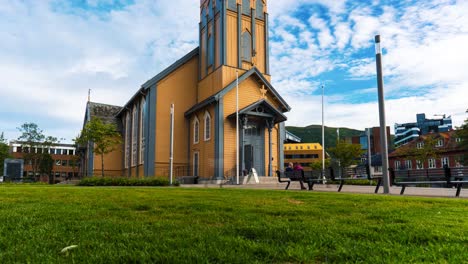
{"x":107,"y":113}
{"x":158,"y":77}
{"x":263,"y":109}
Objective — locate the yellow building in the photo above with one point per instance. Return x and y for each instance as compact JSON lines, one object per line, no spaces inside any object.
{"x":202,"y":86}
{"x":302,"y":153}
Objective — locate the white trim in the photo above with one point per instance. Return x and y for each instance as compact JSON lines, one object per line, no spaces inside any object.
{"x":196,"y":131}
{"x":442,"y":161}
{"x":205,"y":137}
{"x":431,"y":163}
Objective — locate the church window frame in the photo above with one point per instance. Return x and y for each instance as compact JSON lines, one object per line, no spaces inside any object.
{"x":142,"y":130}
{"x":210,"y":50}
{"x":207,"y":126}
{"x":127,"y":140}
{"x":196,"y":131}
{"x":246,"y":46}
{"x":134,"y":135}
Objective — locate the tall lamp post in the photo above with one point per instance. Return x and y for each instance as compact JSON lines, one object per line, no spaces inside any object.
{"x":383,"y":130}
{"x":323,"y":137}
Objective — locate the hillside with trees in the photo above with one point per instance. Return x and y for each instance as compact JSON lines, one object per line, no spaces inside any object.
{"x":313,"y":134}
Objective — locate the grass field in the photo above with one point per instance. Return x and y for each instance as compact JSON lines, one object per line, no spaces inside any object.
{"x":178,"y":225}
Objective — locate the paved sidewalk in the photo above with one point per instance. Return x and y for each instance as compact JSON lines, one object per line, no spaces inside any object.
{"x":410,"y":191}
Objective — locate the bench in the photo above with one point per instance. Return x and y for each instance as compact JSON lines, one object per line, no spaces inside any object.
{"x":307,"y":177}
{"x":358,"y":173}
{"x":443,"y":177}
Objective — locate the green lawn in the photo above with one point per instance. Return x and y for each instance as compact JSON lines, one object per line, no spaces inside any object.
{"x":178,"y":225}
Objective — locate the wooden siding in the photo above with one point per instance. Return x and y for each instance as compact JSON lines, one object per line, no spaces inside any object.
{"x":112,"y":163}
{"x":210,"y":85}
{"x":249,"y":93}
{"x":231,"y":28}
{"x":178,"y":88}
{"x":204,"y":148}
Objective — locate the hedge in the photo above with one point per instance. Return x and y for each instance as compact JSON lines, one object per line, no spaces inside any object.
{"x":109,"y":181}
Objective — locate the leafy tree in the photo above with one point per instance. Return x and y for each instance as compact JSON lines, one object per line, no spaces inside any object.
{"x":104,"y":137}
{"x":317,"y":165}
{"x":35,"y":144}
{"x":46,"y":165}
{"x":4,"y":152}
{"x":347,"y":154}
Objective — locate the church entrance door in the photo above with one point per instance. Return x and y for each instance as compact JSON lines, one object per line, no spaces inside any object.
{"x":254,"y":147}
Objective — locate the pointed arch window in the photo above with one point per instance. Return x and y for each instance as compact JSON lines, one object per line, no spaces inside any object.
{"x":207,"y":134}
{"x":196,"y":131}
{"x":134,"y":135}
{"x":246,"y":46}
{"x":127,"y":140}
{"x":142,"y":130}
{"x":210,"y":50}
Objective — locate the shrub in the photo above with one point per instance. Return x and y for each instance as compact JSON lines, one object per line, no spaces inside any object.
{"x":108,"y":181}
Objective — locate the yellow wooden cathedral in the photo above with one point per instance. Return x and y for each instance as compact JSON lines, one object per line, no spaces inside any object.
{"x":232,"y":59}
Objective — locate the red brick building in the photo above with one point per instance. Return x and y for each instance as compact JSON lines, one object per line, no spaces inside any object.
{"x":66,"y":162}
{"x":444,"y":145}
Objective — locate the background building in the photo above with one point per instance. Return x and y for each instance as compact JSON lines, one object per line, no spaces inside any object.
{"x":407,"y":132}
{"x":445,"y":150}
{"x":302,"y":153}
{"x":66,"y":162}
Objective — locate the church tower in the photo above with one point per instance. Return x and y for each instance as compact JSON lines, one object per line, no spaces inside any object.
{"x":233,"y":35}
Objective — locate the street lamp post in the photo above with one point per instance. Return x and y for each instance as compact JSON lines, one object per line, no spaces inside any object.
{"x":383,"y":130}
{"x":323,"y":137}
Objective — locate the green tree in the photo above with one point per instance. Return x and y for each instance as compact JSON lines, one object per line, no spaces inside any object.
{"x":4,"y":152}
{"x":317,"y":164}
{"x":35,"y":145}
{"x":347,"y":154}
{"x":46,"y":165}
{"x":104,"y":137}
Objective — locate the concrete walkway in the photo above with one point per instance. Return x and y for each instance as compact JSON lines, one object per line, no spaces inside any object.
{"x":410,"y":191}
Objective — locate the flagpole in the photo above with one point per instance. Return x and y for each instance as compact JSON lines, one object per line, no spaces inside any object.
{"x":237,"y":127}
{"x":171,"y":152}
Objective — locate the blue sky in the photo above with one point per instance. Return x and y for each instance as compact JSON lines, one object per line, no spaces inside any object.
{"x":53,"y":51}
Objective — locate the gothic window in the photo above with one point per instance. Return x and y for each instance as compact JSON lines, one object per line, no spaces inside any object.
{"x":210,"y":50}
{"x":207,"y":126}
{"x":246,"y":7}
{"x":196,"y":131}
{"x":142,"y":129}
{"x":127,"y":140}
{"x":259,"y":9}
{"x":246,"y":42}
{"x":134,"y":135}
